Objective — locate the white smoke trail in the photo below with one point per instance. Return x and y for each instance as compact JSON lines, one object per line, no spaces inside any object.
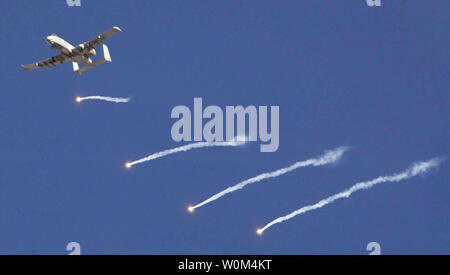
{"x":414,"y":170}
{"x":327,"y":158}
{"x":104,"y":98}
{"x":184,"y":149}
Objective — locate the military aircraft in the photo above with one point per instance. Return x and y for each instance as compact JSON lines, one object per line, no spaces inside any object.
{"x":80,"y":54}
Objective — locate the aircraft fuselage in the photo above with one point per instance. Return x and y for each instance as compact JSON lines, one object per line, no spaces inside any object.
{"x":66,"y":48}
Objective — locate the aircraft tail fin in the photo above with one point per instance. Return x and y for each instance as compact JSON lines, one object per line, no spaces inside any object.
{"x":106,"y":54}
{"x":75,"y":67}
{"x":106,"y":58}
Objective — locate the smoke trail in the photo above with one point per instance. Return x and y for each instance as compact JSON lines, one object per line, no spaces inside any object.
{"x":327,"y":158}
{"x":184,"y":149}
{"x":104,"y":98}
{"x":414,"y":170}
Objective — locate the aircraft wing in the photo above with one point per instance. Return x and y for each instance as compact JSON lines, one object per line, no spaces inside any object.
{"x":94,"y":43}
{"x":53,"y":61}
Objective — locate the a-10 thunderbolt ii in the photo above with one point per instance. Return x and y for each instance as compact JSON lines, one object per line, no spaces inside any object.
{"x":79,"y":54}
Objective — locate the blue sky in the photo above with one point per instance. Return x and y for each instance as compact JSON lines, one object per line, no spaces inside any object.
{"x":342,"y":73}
